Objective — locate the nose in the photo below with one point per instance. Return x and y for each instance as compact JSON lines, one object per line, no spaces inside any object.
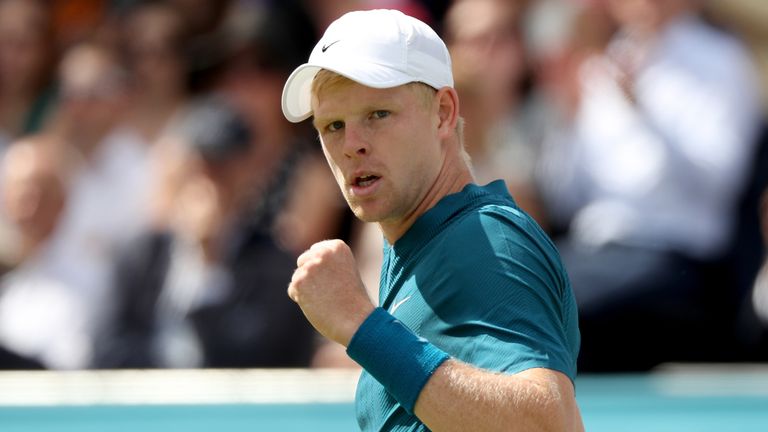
{"x":355,"y":142}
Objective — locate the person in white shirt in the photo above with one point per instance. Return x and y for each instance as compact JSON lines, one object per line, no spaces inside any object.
{"x":44,"y":312}
{"x":647,"y":175}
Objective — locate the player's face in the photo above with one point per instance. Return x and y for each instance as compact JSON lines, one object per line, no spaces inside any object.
{"x":382,"y":147}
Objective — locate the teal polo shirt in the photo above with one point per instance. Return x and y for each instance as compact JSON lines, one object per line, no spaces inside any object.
{"x":479,"y":279}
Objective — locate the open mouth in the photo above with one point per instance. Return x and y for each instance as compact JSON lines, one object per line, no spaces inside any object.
{"x":364,"y":181}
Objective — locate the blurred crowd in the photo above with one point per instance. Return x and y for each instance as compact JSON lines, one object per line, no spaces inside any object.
{"x":154,"y":199}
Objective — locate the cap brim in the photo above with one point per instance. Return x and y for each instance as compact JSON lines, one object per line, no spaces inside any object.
{"x":297,"y":93}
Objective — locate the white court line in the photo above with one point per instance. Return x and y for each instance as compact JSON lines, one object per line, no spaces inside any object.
{"x":711,"y":380}
{"x":164,"y":387}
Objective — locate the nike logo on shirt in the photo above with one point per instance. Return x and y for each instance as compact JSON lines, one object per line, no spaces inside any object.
{"x":398,"y":304}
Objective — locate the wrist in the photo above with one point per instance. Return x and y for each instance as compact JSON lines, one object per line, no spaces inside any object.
{"x":354,"y":323}
{"x":396,"y":357}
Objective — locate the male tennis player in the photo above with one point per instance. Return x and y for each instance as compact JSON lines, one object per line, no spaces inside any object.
{"x":477,"y":327}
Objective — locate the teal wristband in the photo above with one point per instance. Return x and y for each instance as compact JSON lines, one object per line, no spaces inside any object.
{"x":400,"y":360}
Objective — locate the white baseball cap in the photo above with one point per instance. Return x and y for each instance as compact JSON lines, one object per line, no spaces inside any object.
{"x":376,"y":48}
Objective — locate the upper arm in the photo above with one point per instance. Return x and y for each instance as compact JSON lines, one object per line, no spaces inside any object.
{"x":559,"y":388}
{"x":461,"y":397}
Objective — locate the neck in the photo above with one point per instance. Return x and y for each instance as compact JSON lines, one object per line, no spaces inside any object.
{"x":454,"y":175}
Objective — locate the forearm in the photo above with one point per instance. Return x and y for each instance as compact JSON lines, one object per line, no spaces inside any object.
{"x":447,"y":394}
{"x":459,"y":397}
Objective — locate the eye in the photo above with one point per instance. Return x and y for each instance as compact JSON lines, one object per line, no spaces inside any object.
{"x":380,"y":114}
{"x":335,"y":126}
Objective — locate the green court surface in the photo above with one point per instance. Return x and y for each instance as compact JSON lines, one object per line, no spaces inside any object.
{"x":187,"y":418}
{"x":677,"y":399}
{"x":700,"y":400}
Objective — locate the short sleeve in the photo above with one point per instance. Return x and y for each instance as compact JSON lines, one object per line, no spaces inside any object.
{"x":503,"y":298}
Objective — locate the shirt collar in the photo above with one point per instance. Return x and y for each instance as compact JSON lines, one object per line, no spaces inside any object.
{"x":434,"y":220}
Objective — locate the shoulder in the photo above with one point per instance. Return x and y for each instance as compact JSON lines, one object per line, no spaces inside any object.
{"x":497,"y":277}
{"x":498,"y":233}
{"x":497,"y":250}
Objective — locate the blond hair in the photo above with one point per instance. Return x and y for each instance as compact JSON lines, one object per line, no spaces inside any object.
{"x":328,"y":80}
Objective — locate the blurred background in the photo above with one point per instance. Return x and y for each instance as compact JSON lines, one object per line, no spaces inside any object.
{"x":153,"y":198}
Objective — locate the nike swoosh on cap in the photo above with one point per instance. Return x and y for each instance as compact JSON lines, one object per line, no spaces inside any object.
{"x":325,"y":47}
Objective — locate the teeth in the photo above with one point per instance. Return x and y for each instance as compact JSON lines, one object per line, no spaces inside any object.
{"x":366,"y":180}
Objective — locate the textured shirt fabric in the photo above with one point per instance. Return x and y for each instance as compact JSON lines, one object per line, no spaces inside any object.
{"x":479,"y":279}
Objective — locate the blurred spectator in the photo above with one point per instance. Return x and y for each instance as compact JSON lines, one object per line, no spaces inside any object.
{"x":300,"y":202}
{"x":754,"y":332}
{"x":559,"y":37}
{"x":112,"y":174}
{"x":108,"y":188}
{"x":153,"y":38}
{"x":201,"y":17}
{"x":45,"y":316}
{"x":760,"y":292}
{"x":647,"y":177}
{"x":77,"y":20}
{"x":27,"y":65}
{"x":748,"y":19}
{"x":323,"y":12}
{"x":489,"y":62}
{"x":210,"y":290}
{"x":34,"y":192}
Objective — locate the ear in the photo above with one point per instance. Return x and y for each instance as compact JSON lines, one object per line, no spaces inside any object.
{"x":447,"y":111}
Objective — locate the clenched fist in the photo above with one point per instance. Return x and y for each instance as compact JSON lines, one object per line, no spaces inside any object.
{"x":328,"y":288}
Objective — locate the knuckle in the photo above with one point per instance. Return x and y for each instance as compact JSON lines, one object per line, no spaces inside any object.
{"x":304,"y":257}
{"x":292,"y":294}
{"x":298,"y":278}
{"x":309,"y":267}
